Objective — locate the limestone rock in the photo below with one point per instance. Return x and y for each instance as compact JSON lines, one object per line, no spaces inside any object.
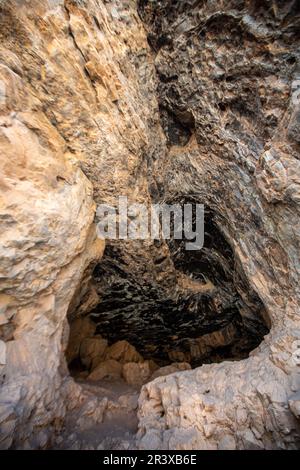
{"x":153,"y":365}
{"x":123,"y":352}
{"x":204,"y":345}
{"x":211,"y":112}
{"x":174,"y":367}
{"x":207,"y":396}
{"x":136,"y":373}
{"x":2,"y":353}
{"x":232,"y":138}
{"x":48,"y":239}
{"x":65,"y":144}
{"x":92,"y":351}
{"x":82,"y":328}
{"x":129,"y":401}
{"x":106,"y":369}
{"x":294,"y":404}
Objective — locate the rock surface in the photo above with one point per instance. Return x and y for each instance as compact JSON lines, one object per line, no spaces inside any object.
{"x":227,"y":92}
{"x":72,"y":112}
{"x":185,"y":101}
{"x":123,"y":352}
{"x":82,"y":328}
{"x":109,"y":368}
{"x":167,"y":370}
{"x":136,"y":373}
{"x":92,"y":351}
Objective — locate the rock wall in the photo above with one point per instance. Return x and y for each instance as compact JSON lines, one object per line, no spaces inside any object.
{"x":76,"y":110}
{"x":207,"y":110}
{"x":228,"y":96}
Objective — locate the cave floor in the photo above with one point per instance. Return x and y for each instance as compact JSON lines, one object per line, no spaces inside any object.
{"x":106,"y":419}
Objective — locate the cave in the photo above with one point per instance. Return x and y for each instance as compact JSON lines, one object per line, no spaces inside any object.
{"x":209,"y":314}
{"x":120,"y":344}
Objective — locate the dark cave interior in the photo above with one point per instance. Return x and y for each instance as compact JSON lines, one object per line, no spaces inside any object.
{"x":210,"y":314}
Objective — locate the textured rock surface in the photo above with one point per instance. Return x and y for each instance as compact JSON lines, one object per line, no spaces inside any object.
{"x":207,"y":111}
{"x":123,"y":352}
{"x":46,"y":202}
{"x":136,"y":373}
{"x":109,"y":368}
{"x":73,"y":100}
{"x":82,"y":328}
{"x":92,"y":351}
{"x":227,"y":94}
{"x":167,"y":370}
{"x":105,"y":419}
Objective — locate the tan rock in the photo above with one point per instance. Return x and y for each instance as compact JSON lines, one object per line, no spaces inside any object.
{"x":179,"y":356}
{"x":55,"y":120}
{"x":205,"y":344}
{"x":2,"y":353}
{"x":123,"y":352}
{"x":136,"y":373}
{"x":58,"y":113}
{"x":294,"y":404}
{"x":153,"y":366}
{"x":107,"y":369}
{"x":80,"y":329}
{"x":92,"y":351}
{"x":175,"y":367}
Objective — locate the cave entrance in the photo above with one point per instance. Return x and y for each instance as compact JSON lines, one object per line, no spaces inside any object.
{"x":209,"y":314}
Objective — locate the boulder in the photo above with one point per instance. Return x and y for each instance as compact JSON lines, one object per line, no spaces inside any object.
{"x":153,"y":366}
{"x":294,"y":404}
{"x":175,"y":367}
{"x":2,"y":353}
{"x":80,"y":329}
{"x":92,"y":351}
{"x":123,"y":352}
{"x":136,"y":373}
{"x":106,"y":369}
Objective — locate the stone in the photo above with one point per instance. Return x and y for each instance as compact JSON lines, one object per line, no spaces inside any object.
{"x":227,"y":443}
{"x":256,"y":150}
{"x":107,"y":369}
{"x":81,"y":329}
{"x":204,"y":345}
{"x":129,"y":401}
{"x":91,"y":412}
{"x":2,"y":353}
{"x":174,"y":367}
{"x":92,"y":351}
{"x":153,"y":366}
{"x":178,"y":101}
{"x":136,"y":373}
{"x":294,"y":404}
{"x":294,"y":126}
{"x":123,"y":352}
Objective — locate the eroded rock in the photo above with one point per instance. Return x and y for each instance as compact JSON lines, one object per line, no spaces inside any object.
{"x":123,"y":352}
{"x":82,"y":328}
{"x":209,"y":115}
{"x":92,"y":351}
{"x":106,"y":369}
{"x":174,"y":367}
{"x":136,"y":373}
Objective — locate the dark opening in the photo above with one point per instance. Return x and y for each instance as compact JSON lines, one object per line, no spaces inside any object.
{"x":208,"y":315}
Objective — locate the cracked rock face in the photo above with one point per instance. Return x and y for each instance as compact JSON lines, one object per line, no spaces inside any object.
{"x":160,"y":101}
{"x":226,"y":90}
{"x":75,"y":125}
